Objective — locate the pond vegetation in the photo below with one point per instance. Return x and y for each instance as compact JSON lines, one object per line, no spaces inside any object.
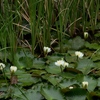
{"x":50,"y":50}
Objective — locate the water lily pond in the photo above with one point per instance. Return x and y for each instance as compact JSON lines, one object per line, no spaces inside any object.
{"x":46,"y":53}
{"x":62,"y":76}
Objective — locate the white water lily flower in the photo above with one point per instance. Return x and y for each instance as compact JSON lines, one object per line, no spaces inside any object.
{"x":85,"y":84}
{"x":61,"y":63}
{"x":2,"y":66}
{"x":47,"y":49}
{"x":79,"y":54}
{"x":66,"y":64}
{"x":86,"y":35}
{"x":71,"y":87}
{"x":13,"y":68}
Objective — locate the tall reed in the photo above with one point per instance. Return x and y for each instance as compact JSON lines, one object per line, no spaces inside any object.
{"x":65,"y":17}
{"x":9,"y":32}
{"x":32,"y":11}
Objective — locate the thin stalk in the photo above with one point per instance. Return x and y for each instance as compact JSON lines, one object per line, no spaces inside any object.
{"x":38,"y":25}
{"x":9,"y":15}
{"x":84,"y":16}
{"x":97,"y":11}
{"x":32,"y":11}
{"x":21,"y":92}
{"x":48,"y":22}
{"x":4,"y":76}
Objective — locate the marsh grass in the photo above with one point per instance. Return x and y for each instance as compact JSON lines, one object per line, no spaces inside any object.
{"x":32,"y":8}
{"x":42,"y":18}
{"x":26,"y":26}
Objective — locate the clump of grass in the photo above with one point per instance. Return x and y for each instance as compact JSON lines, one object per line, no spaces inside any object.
{"x":41,"y":19}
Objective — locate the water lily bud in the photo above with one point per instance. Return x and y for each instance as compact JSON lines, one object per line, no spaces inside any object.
{"x":61,"y":63}
{"x":71,"y":87}
{"x":85,"y":84}
{"x":2,"y":66}
{"x":86,"y":35}
{"x":79,"y":54}
{"x":47,"y":49}
{"x":13,"y":68}
{"x":66,"y":64}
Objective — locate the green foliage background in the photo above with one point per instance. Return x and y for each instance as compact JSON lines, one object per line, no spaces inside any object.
{"x":26,"y":26}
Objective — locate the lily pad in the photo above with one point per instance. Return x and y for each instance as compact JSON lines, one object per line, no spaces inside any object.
{"x":92,"y":45}
{"x":53,"y":69}
{"x":55,"y":57}
{"x":77,"y":43}
{"x":67,"y":75}
{"x":27,"y":95}
{"x":72,"y":58}
{"x":52,"y":79}
{"x":85,"y":65}
{"x":36,"y":72}
{"x":23,"y":77}
{"x":76,"y":94}
{"x":52,"y":93}
{"x":92,"y":83}
{"x":99,"y":82}
{"x":67,"y":83}
{"x":23,"y":59}
{"x":38,"y":64}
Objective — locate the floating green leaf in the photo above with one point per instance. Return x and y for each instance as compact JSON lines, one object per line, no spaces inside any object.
{"x":92,"y":83}
{"x":27,"y":95}
{"x":38,"y":63}
{"x":92,"y":45}
{"x":77,"y":43}
{"x":53,"y":69}
{"x":52,"y":93}
{"x":36,"y":72}
{"x":54,"y":58}
{"x":76,"y":94}
{"x":67,"y":75}
{"x":54,"y":79}
{"x":67,"y":83}
{"x":25,"y":79}
{"x":72,"y":58}
{"x":99,"y":82}
{"x":23,"y":59}
{"x":85,"y":65}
